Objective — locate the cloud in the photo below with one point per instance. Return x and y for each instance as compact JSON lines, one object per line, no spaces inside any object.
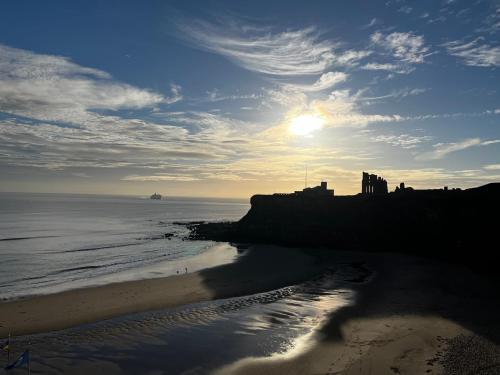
{"x":438,"y":19}
{"x":342,"y":108}
{"x":351,"y":57}
{"x":405,"y":141}
{"x":488,"y":112}
{"x":52,"y":88}
{"x":405,"y":9}
{"x":176,"y":94}
{"x":215,"y":96}
{"x":287,"y":53}
{"x":475,"y":53}
{"x":491,"y":23}
{"x":443,"y":149}
{"x":21,"y":64}
{"x":492,"y":167}
{"x":492,"y":142}
{"x":396,"y":94}
{"x":286,"y":96}
{"x":325,"y":81}
{"x":80,"y":174}
{"x":373,"y":22}
{"x":328,"y":80}
{"x":160,"y":177}
{"x":395,"y":68}
{"x":114,"y":142}
{"x":407,"y":47}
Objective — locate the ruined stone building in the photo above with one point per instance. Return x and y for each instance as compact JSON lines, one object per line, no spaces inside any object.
{"x":373,"y":184}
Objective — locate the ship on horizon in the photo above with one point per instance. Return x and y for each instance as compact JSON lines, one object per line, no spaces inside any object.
{"x":156,"y":196}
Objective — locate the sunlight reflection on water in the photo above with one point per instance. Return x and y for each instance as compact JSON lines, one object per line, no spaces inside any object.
{"x":201,"y":337}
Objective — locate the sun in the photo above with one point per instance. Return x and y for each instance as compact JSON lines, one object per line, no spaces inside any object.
{"x":305,"y":124}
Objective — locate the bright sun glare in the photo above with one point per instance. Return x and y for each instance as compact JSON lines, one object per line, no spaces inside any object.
{"x":305,"y":124}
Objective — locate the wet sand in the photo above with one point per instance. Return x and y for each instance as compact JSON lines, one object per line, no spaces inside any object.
{"x":412,"y":316}
{"x":261,"y":268}
{"x":416,"y":316}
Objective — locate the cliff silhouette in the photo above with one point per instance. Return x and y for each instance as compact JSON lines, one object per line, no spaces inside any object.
{"x":451,"y":224}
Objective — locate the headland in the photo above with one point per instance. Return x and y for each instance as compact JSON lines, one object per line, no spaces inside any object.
{"x":451,"y":224}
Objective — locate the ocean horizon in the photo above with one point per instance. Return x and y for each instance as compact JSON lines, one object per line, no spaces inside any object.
{"x":55,"y":242}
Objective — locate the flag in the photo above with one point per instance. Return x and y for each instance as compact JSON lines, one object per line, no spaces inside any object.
{"x":22,"y":360}
{"x":6,"y":345}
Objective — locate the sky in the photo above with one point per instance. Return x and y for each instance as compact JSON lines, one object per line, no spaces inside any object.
{"x":232,"y":98}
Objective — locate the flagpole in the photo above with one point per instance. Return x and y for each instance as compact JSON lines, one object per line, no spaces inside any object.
{"x":8,"y":351}
{"x":306,"y":178}
{"x":29,"y":357}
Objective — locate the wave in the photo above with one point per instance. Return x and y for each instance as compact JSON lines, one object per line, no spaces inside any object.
{"x":25,"y":238}
{"x":98,"y":248}
{"x":173,"y":254}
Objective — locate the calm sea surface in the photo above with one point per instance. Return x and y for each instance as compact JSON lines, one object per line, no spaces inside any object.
{"x":50,"y":242}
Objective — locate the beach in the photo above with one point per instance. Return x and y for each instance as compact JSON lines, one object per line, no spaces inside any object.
{"x":400,"y":315}
{"x":417,"y":316}
{"x":262,"y":268}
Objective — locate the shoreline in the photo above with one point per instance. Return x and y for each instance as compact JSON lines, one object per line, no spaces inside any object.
{"x":216,"y":255}
{"x":413,"y":317}
{"x":260,"y":269}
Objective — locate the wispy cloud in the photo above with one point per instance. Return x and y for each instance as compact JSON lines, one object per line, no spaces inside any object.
{"x":390,"y":67}
{"x":176,"y":94}
{"x":259,"y":49}
{"x":160,"y":177}
{"x":406,"y":141}
{"x":492,"y":167}
{"x":53,"y":88}
{"x":341,"y":109}
{"x":325,"y":81}
{"x":215,"y":96}
{"x":491,"y":23}
{"x":395,"y":94}
{"x":475,"y":53}
{"x":443,"y":149}
{"x":407,"y":47}
{"x":59,"y":117}
{"x":373,"y":22}
{"x":405,"y":9}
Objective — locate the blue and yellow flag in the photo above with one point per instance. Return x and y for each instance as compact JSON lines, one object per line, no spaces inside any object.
{"x":6,"y":345}
{"x":22,"y":360}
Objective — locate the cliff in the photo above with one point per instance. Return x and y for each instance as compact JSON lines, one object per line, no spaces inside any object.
{"x":430,"y":222}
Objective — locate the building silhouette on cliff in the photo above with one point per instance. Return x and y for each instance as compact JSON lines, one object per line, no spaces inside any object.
{"x":371,"y":184}
{"x":402,"y":188}
{"x":317,"y":191}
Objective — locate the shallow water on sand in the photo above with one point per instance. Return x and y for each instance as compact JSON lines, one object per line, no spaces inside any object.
{"x":51,"y":242}
{"x":197,"y":338}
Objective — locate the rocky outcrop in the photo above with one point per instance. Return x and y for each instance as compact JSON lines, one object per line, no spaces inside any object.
{"x":443,"y":223}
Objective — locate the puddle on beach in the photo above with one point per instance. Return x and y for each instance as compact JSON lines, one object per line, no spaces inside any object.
{"x":197,"y":338}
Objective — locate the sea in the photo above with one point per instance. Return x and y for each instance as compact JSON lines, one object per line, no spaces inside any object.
{"x":55,"y":242}
{"x":50,"y":243}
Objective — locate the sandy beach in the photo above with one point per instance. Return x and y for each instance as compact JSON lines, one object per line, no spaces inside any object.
{"x":259,"y":269}
{"x":416,"y":316}
{"x":411,"y":316}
